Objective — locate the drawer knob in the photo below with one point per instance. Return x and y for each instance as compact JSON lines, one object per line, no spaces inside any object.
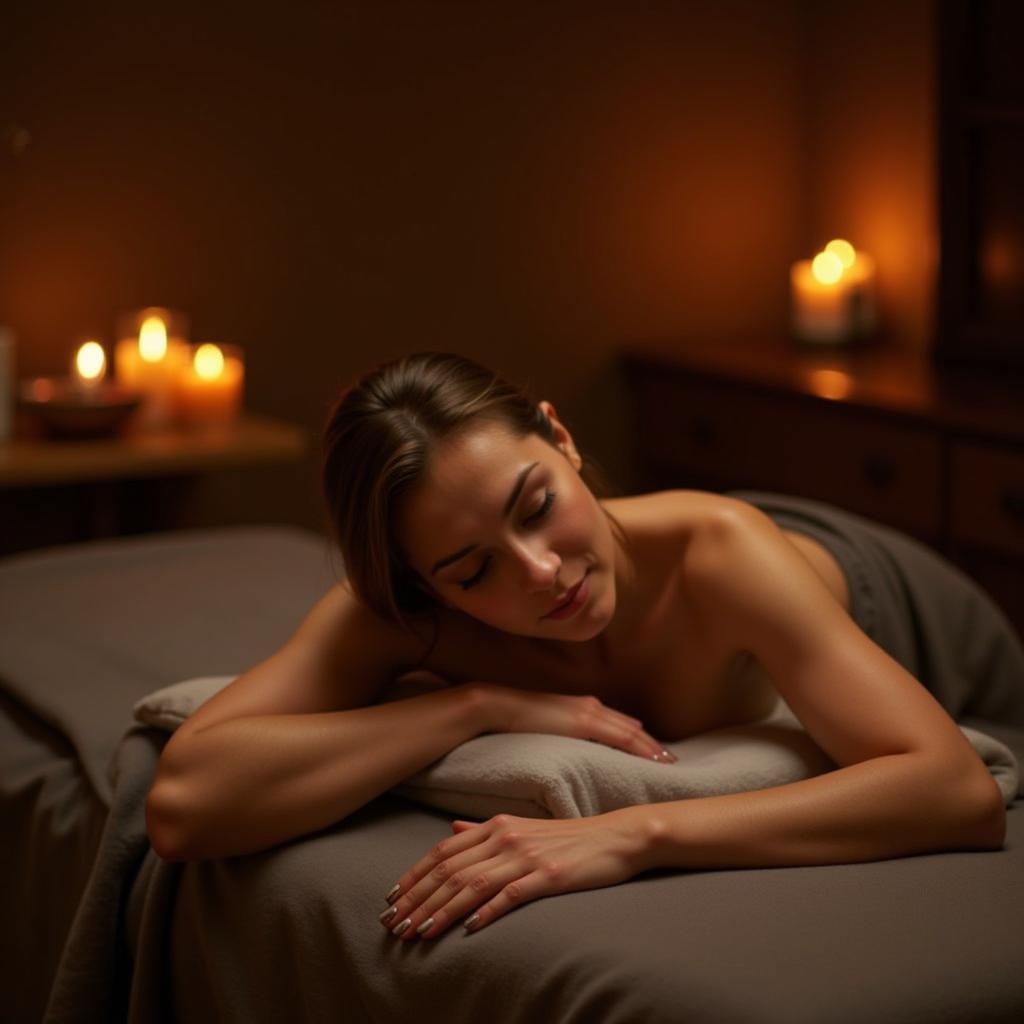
{"x":1013,"y":502}
{"x":702,"y":431}
{"x":878,"y":471}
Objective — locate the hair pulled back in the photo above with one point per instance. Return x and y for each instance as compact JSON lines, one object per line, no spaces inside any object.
{"x":376,"y":446}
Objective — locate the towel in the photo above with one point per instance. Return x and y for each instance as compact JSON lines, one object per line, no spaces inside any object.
{"x":539,"y":775}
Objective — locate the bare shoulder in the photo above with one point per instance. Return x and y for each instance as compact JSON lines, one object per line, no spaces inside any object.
{"x":749,"y":578}
{"x":665,"y":525}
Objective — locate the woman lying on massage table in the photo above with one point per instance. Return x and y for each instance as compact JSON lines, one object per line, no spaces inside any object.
{"x":476,"y":551}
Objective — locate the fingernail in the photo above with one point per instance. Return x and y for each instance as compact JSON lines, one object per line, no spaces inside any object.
{"x":385,"y":918}
{"x":400,"y":929}
{"x":671,"y":757}
{"x":391,"y":896}
{"x":425,"y":927}
{"x":470,"y":921}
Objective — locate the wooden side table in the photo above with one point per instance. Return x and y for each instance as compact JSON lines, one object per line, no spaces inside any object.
{"x":881,"y":432}
{"x":123,"y":484}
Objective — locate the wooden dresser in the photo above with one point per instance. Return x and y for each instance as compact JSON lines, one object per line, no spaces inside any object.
{"x":876,"y":430}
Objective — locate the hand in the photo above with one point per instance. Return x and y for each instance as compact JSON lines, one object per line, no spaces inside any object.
{"x":490,"y":868}
{"x":586,"y":718}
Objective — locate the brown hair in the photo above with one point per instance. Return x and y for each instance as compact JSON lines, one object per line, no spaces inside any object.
{"x":376,"y":446}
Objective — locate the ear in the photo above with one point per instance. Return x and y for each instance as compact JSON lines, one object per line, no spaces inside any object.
{"x":563,"y":439}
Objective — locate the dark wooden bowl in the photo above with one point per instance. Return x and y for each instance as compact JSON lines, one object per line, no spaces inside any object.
{"x":65,"y":410}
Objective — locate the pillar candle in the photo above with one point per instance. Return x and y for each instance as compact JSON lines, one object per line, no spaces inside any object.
{"x":833,"y":295}
{"x":208,"y":390}
{"x":151,"y":363}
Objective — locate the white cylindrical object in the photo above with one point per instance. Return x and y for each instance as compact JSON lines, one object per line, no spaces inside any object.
{"x":6,"y":383}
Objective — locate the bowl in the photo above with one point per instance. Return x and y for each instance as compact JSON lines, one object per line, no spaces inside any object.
{"x":66,"y":409}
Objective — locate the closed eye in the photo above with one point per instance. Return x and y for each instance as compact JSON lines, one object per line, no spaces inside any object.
{"x":542,"y":511}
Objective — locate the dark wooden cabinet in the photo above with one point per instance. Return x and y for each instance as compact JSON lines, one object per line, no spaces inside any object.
{"x":883,"y":433}
{"x":980,"y":116}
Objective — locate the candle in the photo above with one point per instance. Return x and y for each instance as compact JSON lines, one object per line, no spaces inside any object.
{"x":88,"y":368}
{"x":833,"y":295}
{"x":209,"y":389}
{"x":150,"y":361}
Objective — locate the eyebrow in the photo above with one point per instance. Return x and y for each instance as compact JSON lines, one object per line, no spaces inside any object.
{"x":509,"y":505}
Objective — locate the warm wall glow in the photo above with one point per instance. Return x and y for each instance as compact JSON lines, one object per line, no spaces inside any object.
{"x":153,"y":339}
{"x":208,"y":362}
{"x":827,"y":268}
{"x":90,"y":361}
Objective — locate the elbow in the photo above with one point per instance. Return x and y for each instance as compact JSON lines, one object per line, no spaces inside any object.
{"x":165,"y":823}
{"x":986,"y":814}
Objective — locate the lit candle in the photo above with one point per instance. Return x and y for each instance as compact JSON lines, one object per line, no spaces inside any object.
{"x":209,"y":389}
{"x":150,"y":363}
{"x":88,"y":369}
{"x":833,"y":295}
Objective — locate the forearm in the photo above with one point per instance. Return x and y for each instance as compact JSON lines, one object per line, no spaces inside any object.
{"x":886,"y":807}
{"x":250,"y":783}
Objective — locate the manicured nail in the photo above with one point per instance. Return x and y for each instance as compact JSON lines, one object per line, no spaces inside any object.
{"x":385,"y":918}
{"x":400,"y":929}
{"x":470,"y":921}
{"x":425,"y":927}
{"x":671,"y":757}
{"x":393,"y":895}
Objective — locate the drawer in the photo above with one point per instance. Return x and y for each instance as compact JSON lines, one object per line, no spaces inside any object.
{"x":988,"y":497}
{"x":872,"y":465}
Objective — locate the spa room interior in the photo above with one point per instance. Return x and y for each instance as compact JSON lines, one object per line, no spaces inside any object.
{"x":769,"y":246}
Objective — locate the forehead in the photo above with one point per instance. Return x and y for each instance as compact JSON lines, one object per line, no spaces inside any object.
{"x":467,"y":482}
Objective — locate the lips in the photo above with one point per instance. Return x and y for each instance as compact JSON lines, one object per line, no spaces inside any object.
{"x":568,"y":599}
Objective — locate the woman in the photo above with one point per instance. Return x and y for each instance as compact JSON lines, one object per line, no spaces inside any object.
{"x":477,"y":552}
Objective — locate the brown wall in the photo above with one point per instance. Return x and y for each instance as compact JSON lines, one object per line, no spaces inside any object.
{"x":871,"y":148}
{"x":532,"y":185}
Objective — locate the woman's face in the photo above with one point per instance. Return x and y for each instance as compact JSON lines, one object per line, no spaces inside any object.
{"x":503,"y":528}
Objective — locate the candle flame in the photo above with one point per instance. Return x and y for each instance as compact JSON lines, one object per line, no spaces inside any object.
{"x":846,"y":252}
{"x":153,"y":339}
{"x":827,"y":268}
{"x":208,"y":362}
{"x":90,"y":361}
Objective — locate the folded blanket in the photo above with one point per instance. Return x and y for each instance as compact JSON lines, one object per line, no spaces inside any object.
{"x":538,"y":775}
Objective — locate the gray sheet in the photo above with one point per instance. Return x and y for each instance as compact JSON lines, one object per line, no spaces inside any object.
{"x":293,"y":932}
{"x":917,"y":606}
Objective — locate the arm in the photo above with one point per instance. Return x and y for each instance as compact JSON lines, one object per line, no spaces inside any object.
{"x":908,"y":781}
{"x":249,"y":783}
{"x":297,"y":742}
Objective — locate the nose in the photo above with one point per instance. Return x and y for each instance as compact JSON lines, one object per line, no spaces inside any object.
{"x":539,"y":566}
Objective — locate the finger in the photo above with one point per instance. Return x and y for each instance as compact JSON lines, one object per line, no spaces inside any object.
{"x":624,"y":719}
{"x":483,"y":882}
{"x":635,"y":741}
{"x":447,"y":848}
{"x":514,"y":894}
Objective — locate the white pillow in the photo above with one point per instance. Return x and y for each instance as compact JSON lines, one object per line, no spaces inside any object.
{"x":539,"y":775}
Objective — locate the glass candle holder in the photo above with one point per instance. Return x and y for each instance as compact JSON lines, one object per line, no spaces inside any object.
{"x":151,"y":352}
{"x":208,"y":391}
{"x":833,"y":296}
